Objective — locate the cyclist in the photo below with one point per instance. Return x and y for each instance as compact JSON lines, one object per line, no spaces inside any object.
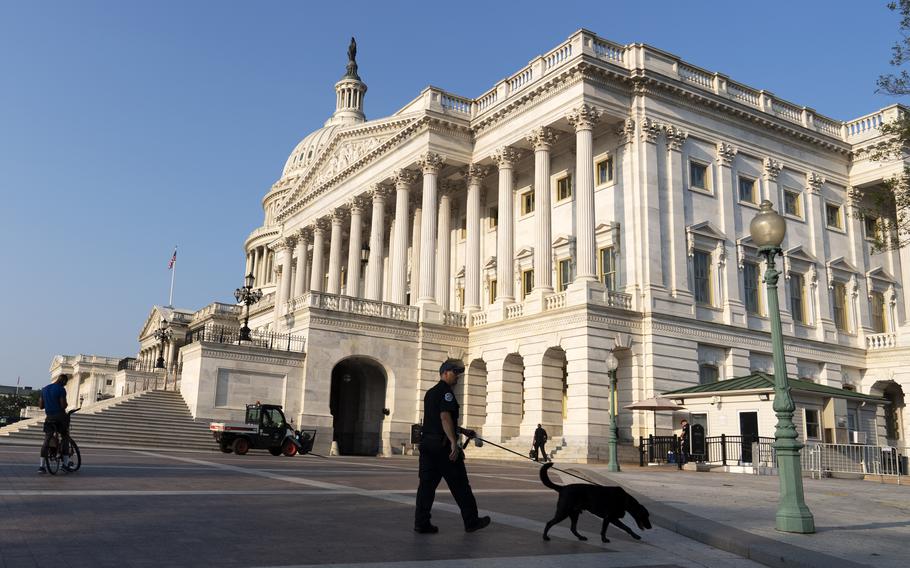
{"x":53,"y":400}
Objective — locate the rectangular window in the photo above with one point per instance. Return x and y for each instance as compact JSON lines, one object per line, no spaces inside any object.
{"x":747,"y":190}
{"x":527,"y":202}
{"x":604,"y":170}
{"x":707,"y":374}
{"x":833,"y":216}
{"x":698,"y":175}
{"x":751,"y":287}
{"x":463,"y":229}
{"x":527,"y":282}
{"x":494,"y":217}
{"x":812,"y":424}
{"x":840,"y":306}
{"x":565,"y":274}
{"x":701,"y":263}
{"x":871,"y":226}
{"x":492,"y":291}
{"x":792,"y":203}
{"x":879,"y":321}
{"x":608,"y":268}
{"x":797,"y":295}
{"x":564,"y":188}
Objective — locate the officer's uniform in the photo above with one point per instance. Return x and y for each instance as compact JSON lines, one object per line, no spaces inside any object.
{"x":434,"y":459}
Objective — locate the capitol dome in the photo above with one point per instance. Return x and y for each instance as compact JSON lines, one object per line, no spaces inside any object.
{"x":349,"y":92}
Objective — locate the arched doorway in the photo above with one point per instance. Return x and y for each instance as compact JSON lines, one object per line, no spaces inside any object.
{"x":357,"y":402}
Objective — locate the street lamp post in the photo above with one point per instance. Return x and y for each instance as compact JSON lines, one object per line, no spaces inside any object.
{"x":162,"y":334}
{"x":768,"y":229}
{"x":612,"y":363}
{"x":247,"y":296}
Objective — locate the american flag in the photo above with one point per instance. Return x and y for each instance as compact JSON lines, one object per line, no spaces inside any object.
{"x":170,"y":264}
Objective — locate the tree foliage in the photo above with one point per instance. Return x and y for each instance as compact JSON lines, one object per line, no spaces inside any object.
{"x":895,"y":202}
{"x":11,"y":405}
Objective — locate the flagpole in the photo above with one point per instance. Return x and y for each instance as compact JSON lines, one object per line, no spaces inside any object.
{"x":170,"y":298}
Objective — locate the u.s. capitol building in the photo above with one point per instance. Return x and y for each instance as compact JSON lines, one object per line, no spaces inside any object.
{"x":598,"y":199}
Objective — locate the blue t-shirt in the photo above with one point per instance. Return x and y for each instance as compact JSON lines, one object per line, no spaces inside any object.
{"x":51,"y":395}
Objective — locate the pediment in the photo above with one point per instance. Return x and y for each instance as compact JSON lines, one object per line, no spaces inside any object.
{"x":490,"y":264}
{"x":563,"y":240}
{"x":799,"y":253}
{"x":460,"y":273}
{"x":602,"y":228}
{"x":345,"y":152}
{"x":524,"y":252}
{"x":706,"y":229}
{"x":879,"y":273}
{"x":154,"y":320}
{"x":840,"y":264}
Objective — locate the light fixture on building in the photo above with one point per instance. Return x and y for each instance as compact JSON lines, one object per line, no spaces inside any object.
{"x":764,"y":396}
{"x":247,"y":296}
{"x":365,"y":254}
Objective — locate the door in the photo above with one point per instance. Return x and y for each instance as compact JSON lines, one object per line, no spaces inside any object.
{"x":748,"y":431}
{"x":698,"y":426}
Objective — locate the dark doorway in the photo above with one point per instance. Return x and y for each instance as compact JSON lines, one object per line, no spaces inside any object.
{"x":748,"y":430}
{"x":356,"y":402}
{"x":698,"y":425}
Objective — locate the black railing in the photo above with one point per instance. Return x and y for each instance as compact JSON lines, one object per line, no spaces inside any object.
{"x":725,"y":449}
{"x":264,"y":339}
{"x":133,"y":364}
{"x":657,"y":449}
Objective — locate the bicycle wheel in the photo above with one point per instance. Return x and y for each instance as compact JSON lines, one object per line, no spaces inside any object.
{"x":75,"y":456}
{"x":52,"y":460}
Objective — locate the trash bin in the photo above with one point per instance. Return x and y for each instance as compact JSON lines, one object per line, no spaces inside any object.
{"x":671,"y":457}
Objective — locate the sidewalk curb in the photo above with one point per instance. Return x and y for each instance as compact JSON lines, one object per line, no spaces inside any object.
{"x":760,"y":549}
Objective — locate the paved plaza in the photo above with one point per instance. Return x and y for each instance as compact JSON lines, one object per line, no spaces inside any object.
{"x":173,"y":508}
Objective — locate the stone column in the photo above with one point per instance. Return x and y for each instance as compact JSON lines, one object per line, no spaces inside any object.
{"x":854,"y":226}
{"x":171,"y":355}
{"x":334,"y":284}
{"x":679,"y":274}
{"x":505,"y":158}
{"x":355,"y":241}
{"x":317,"y":272}
{"x":303,"y":241}
{"x":542,"y":140}
{"x":815,"y":214}
{"x":403,"y":180}
{"x":414,"y":258}
{"x":249,"y":264}
{"x":734,"y":310}
{"x":650,"y":254}
{"x":377,"y":241}
{"x":630,"y":243}
{"x":443,"y":246}
{"x":583,"y":119}
{"x":284,"y":285}
{"x":430,"y":163}
{"x":257,"y":266}
{"x":474,"y":176}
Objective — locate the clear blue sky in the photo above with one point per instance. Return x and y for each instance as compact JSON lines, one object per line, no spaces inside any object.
{"x":128,"y":127}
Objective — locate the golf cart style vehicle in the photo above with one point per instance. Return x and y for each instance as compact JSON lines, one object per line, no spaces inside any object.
{"x":264,"y":428}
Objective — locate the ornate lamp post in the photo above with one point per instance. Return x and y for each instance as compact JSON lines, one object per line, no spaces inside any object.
{"x":612,"y":363}
{"x":768,"y":229}
{"x":248,"y":297}
{"x":163,"y":334}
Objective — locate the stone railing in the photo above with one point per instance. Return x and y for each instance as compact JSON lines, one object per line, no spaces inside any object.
{"x":478,"y":318}
{"x":218,"y":309}
{"x":359,"y":306}
{"x":877,"y":341}
{"x":618,"y":300}
{"x":555,"y":301}
{"x":454,"y":319}
{"x":180,"y":317}
{"x":262,"y":231}
{"x":637,"y":57}
{"x":514,"y":311}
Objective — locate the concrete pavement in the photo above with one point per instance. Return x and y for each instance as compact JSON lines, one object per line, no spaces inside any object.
{"x":857,"y":522}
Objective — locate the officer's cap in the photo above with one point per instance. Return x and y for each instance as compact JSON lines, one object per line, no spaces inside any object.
{"x":451,"y":366}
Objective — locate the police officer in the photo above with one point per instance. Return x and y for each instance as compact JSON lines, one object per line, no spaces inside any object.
{"x":441,"y":456}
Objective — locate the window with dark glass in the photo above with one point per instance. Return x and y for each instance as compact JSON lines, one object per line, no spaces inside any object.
{"x":608,"y":268}
{"x":698,"y":175}
{"x":707,"y":374}
{"x":527,"y":202}
{"x":871,"y":226}
{"x":701,"y":263}
{"x":563,"y":188}
{"x":751,"y":287}
{"x":492,"y":298}
{"x":833,"y":216}
{"x":792,"y":204}
{"x":747,"y":189}
{"x":494,"y":217}
{"x":813,"y":426}
{"x":527,"y":282}
{"x":565,"y":274}
{"x":797,"y":303}
{"x":840,"y":306}
{"x":879,"y":322}
{"x":604,"y":170}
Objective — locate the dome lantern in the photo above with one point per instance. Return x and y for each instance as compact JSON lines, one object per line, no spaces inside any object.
{"x":349,"y":93}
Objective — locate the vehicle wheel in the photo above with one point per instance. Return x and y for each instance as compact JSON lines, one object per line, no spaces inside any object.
{"x":241,"y":446}
{"x":289,"y":449}
{"x":75,"y":457}
{"x":226,"y":449}
{"x":275,"y":451}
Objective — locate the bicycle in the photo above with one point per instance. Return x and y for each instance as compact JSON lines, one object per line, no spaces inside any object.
{"x":53,"y":459}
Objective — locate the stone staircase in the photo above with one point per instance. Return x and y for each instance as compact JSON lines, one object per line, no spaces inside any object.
{"x":150,"y":419}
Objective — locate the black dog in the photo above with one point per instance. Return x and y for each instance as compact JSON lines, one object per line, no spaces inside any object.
{"x":608,"y":503}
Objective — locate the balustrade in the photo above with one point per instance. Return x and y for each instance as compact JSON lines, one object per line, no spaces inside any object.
{"x":618,"y":300}
{"x":478,"y":318}
{"x":881,"y":341}
{"x":455,"y":319}
{"x":514,"y":311}
{"x":555,"y":301}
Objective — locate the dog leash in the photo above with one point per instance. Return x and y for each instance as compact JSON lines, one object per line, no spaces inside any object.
{"x":494,"y":444}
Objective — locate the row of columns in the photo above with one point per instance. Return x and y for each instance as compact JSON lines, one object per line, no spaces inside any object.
{"x":431,"y":255}
{"x":259,"y":263}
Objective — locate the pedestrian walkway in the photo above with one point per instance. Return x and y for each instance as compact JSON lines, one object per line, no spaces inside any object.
{"x":857,"y":522}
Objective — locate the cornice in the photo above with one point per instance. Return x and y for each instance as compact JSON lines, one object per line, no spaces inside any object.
{"x":292,"y":359}
{"x":374,"y":327}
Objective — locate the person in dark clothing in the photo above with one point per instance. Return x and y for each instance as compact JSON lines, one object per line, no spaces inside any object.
{"x":684,"y":442}
{"x":441,"y":456}
{"x":53,"y":400}
{"x":540,"y":443}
